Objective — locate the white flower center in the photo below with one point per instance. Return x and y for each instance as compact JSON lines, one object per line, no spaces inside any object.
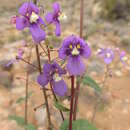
{"x":75,"y":52}
{"x":34,"y":17}
{"x":62,"y":16}
{"x":56,"y":77}
{"x":108,"y":55}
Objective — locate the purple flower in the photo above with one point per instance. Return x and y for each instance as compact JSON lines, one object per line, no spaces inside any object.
{"x":107,"y":55}
{"x":73,"y":48}
{"x":20,"y":54}
{"x":53,"y":73}
{"x":53,"y":17}
{"x":17,"y":59}
{"x":123,"y":57}
{"x":30,"y":18}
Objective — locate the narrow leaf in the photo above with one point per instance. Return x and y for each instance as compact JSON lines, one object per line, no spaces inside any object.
{"x":21,"y":99}
{"x":59,"y":106}
{"x":19,"y":120}
{"x":87,"y":80}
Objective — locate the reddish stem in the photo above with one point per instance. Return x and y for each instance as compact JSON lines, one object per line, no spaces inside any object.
{"x":78,"y":82}
{"x":49,"y":58}
{"x":76,"y":99}
{"x":44,"y":91}
{"x":71,"y":104}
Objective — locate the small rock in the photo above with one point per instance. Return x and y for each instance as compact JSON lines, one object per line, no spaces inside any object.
{"x":118,"y":73}
{"x":40,"y":115}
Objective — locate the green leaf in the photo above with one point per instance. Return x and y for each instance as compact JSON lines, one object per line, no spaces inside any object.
{"x":83,"y":125}
{"x":87,"y":80}
{"x":80,"y":124}
{"x":64,"y":125}
{"x":59,"y":106}
{"x":21,"y":99}
{"x":30,"y":127}
{"x":19,"y":120}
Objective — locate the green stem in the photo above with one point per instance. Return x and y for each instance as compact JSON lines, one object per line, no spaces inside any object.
{"x":26,"y":90}
{"x":99,"y":98}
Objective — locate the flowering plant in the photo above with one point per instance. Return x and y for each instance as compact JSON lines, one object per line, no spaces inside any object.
{"x":57,"y":71}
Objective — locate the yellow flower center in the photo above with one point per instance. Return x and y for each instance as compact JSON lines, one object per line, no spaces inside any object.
{"x":56,"y":77}
{"x":78,"y":46}
{"x":124,"y":58}
{"x":34,"y":17}
{"x":75,"y":51}
{"x":70,"y":46}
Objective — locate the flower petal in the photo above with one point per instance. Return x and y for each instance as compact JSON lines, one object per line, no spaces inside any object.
{"x":108,"y":60}
{"x":24,"y":8}
{"x":37,"y":33}
{"x":62,"y":53}
{"x":75,"y":66}
{"x":42,"y":80}
{"x":21,"y":23}
{"x":46,"y":68}
{"x":86,"y":51}
{"x":34,"y":8}
{"x":58,"y":29}
{"x":49,"y":17}
{"x":56,"y":66}
{"x":28,"y":7}
{"x":60,"y":87}
{"x":41,"y":22}
{"x":56,"y":7}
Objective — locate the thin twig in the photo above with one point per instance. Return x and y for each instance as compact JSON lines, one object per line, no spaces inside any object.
{"x":26,"y":90}
{"x":27,"y":62}
{"x":99,"y":97}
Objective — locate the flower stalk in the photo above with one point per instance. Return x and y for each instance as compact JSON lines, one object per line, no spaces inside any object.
{"x":71,"y":104}
{"x":78,"y":81}
{"x":49,"y":59}
{"x":44,"y":91}
{"x":26,"y":90}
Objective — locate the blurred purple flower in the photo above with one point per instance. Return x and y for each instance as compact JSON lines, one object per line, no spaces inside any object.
{"x":107,"y":55}
{"x":13,"y":20}
{"x":53,"y":17}
{"x":53,"y":73}
{"x":30,"y":18}
{"x":17,"y":59}
{"x":123,"y":57}
{"x":73,"y":48}
{"x":20,"y":54}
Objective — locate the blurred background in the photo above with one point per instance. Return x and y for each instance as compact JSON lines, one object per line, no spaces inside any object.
{"x":106,"y":24}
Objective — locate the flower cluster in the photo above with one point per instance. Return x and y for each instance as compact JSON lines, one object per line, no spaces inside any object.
{"x":108,"y":55}
{"x":53,"y":73}
{"x":29,"y":18}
